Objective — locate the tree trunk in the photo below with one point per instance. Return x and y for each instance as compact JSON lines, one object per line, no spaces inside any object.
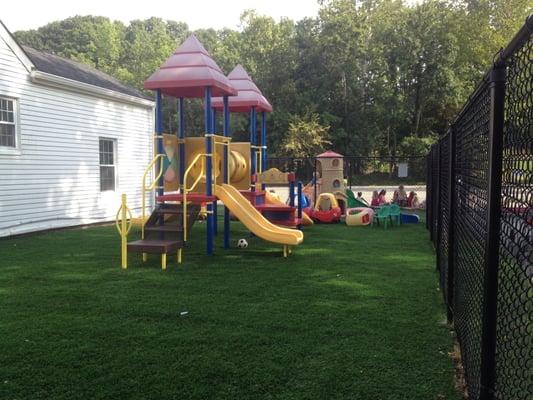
{"x":418,"y":104}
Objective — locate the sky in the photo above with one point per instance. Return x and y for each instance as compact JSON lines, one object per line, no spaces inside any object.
{"x":31,"y":14}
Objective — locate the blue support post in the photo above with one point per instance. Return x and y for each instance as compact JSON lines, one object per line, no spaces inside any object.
{"x":253,"y":131}
{"x":213,"y":120}
{"x":291,"y":193}
{"x":263,"y":144}
{"x":159,"y":133}
{"x":181,"y":136}
{"x":300,"y":195}
{"x":209,"y":169}
{"x":215,"y":209}
{"x":226,"y":172}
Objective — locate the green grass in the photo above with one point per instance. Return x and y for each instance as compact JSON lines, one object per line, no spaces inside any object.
{"x":354,"y":313}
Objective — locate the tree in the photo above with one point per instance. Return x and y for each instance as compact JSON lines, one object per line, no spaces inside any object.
{"x":95,"y":41}
{"x":306,"y":136}
{"x":375,"y":72}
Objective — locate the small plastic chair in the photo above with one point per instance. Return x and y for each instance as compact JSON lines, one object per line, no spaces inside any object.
{"x":383,"y":215}
{"x":395,"y":214}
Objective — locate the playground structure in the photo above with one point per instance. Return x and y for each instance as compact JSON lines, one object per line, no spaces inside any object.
{"x":272,"y":206}
{"x":329,"y":194}
{"x":191,"y":172}
{"x":330,"y":170}
{"x":250,"y":100}
{"x":328,"y":191}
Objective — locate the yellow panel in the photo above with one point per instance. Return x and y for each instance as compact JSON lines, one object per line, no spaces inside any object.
{"x":239,"y":162}
{"x":240,"y":165}
{"x":273,"y":176}
{"x":193,"y":147}
{"x":171,"y":175}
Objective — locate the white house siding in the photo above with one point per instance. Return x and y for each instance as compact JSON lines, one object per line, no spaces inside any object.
{"x":54,"y":181}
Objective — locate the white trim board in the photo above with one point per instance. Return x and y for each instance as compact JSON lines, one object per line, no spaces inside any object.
{"x":6,"y":36}
{"x":45,"y":78}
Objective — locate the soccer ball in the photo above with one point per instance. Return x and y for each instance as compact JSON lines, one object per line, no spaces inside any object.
{"x":242,"y":244}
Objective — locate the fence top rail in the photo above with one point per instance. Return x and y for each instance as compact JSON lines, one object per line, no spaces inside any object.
{"x":385,"y":158}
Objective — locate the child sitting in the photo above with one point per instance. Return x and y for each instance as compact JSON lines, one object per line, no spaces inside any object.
{"x":412,"y":200}
{"x":402,"y":196}
{"x":381,"y":197}
{"x":375,"y":199}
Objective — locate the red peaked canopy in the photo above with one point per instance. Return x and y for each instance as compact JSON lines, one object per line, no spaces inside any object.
{"x":330,"y":154}
{"x":248,"y":94}
{"x":188,"y":71}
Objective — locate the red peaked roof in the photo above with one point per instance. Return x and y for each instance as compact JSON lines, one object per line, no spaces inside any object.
{"x":188,"y":71}
{"x":330,"y":154}
{"x":248,"y":94}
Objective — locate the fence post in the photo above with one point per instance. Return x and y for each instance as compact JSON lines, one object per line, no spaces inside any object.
{"x":490,"y":288}
{"x":428,"y":188}
{"x":451,"y":227}
{"x":315,"y":183}
{"x":438,"y":239}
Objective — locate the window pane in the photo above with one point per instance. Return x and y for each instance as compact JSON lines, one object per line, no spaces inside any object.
{"x":7,"y":135}
{"x":7,"y":113}
{"x":106,"y":152}
{"x":107,"y":178}
{"x":107,"y":169}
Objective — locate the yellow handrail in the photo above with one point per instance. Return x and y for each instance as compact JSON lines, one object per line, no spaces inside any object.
{"x":224,"y":142}
{"x":148,"y":169}
{"x":258,"y":159}
{"x":123,"y":229}
{"x":185,"y":190}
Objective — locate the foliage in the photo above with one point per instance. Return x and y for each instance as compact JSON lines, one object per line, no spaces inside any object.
{"x":414,"y":146}
{"x":305,"y":137}
{"x":375,"y":71}
{"x":352,"y":314}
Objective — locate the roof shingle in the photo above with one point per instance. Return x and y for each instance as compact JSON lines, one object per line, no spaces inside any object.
{"x":59,"y":66}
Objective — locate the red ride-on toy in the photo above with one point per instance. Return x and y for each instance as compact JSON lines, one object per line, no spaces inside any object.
{"x":326,"y":209}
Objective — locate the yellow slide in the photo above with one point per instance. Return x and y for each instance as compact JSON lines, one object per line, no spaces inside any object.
{"x":272,"y":199}
{"x":253,"y":220}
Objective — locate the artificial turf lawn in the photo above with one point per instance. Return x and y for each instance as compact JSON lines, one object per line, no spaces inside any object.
{"x":354,"y":313}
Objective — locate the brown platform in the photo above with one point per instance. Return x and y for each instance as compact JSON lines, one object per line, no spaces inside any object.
{"x":155,"y":246}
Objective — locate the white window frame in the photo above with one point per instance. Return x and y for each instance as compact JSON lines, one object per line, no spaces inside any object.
{"x":16,"y":118}
{"x":114,"y":165}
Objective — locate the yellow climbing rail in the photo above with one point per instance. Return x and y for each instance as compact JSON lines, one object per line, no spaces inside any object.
{"x":187,"y":190}
{"x":226,"y":143}
{"x":123,"y":224}
{"x":215,"y":140}
{"x":149,"y":188}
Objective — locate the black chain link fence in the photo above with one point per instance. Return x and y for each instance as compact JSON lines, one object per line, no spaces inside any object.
{"x":480,"y":218}
{"x":443,"y":217}
{"x":361,"y":171}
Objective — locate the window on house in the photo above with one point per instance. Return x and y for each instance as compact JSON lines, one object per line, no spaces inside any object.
{"x":8,"y":129}
{"x":107,"y":164}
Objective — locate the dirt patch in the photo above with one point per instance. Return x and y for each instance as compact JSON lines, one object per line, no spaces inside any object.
{"x":455,"y":355}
